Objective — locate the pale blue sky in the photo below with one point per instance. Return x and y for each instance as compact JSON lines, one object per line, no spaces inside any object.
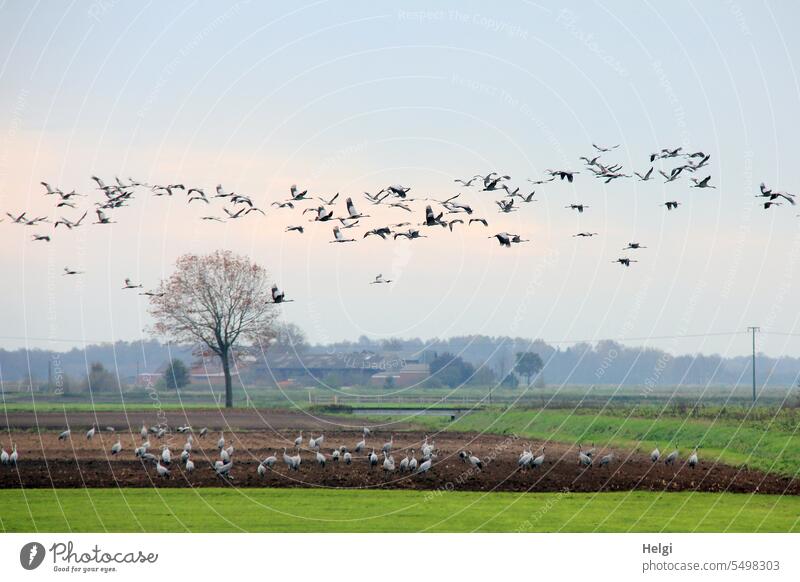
{"x":351,"y":96}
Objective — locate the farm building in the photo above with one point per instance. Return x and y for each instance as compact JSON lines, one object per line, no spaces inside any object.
{"x":207,"y":368}
{"x":311,"y":368}
{"x":346,"y":368}
{"x":408,"y":375}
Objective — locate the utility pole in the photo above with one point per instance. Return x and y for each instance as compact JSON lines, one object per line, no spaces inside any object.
{"x":753,"y":330}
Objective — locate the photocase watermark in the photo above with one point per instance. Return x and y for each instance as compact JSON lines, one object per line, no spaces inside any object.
{"x":536,"y":281}
{"x":152,"y":392}
{"x":349,"y":361}
{"x":489,"y":23}
{"x":57,"y":378}
{"x":186,"y":50}
{"x":543,"y":509}
{"x":738,"y":15}
{"x":67,"y":559}
{"x":569,"y":20}
{"x":337,"y":158}
{"x":99,"y":8}
{"x":745,"y":227}
{"x":13,"y":129}
{"x":666,"y":357}
{"x":471,"y":470}
{"x":677,"y":108}
{"x":630,"y":320}
{"x":56,"y":372}
{"x":606,"y":363}
{"x":513,"y":102}
{"x":31,"y":555}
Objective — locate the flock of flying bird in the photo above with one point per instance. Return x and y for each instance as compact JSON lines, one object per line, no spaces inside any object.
{"x":408,"y":464}
{"x":444,"y":214}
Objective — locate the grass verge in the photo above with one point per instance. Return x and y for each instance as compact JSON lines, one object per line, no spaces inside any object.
{"x":308,"y":510}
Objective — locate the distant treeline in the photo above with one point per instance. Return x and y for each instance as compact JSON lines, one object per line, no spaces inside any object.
{"x":122,"y":358}
{"x":605,"y":362}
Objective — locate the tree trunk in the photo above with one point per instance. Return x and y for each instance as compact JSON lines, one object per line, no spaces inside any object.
{"x":226,"y":370}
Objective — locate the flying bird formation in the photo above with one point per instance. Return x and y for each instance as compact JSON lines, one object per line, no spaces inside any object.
{"x":442,"y":215}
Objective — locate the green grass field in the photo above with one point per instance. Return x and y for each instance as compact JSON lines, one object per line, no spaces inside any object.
{"x":772,"y":446}
{"x":306,"y":510}
{"x":197,"y":395}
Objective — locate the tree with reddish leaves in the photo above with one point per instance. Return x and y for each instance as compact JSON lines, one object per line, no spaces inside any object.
{"x":220,"y":300}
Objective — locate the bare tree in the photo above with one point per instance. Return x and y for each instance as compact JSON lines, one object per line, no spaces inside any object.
{"x":219,"y":300}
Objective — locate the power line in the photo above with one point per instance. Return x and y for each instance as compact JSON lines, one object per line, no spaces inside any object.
{"x":783,"y":333}
{"x":644,"y":338}
{"x":549,"y":342}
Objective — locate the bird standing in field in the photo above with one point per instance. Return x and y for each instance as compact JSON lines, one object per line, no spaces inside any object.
{"x":525,"y":458}
{"x":290,"y":461}
{"x":404,"y":463}
{"x":223,"y":469}
{"x":388,"y":464}
{"x":538,"y":461}
{"x":474,"y":461}
{"x":655,"y":455}
{"x":412,"y":462}
{"x":315,"y":443}
{"x":161,"y":470}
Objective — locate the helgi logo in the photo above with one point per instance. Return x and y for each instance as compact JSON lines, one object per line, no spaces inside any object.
{"x":31,"y":555}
